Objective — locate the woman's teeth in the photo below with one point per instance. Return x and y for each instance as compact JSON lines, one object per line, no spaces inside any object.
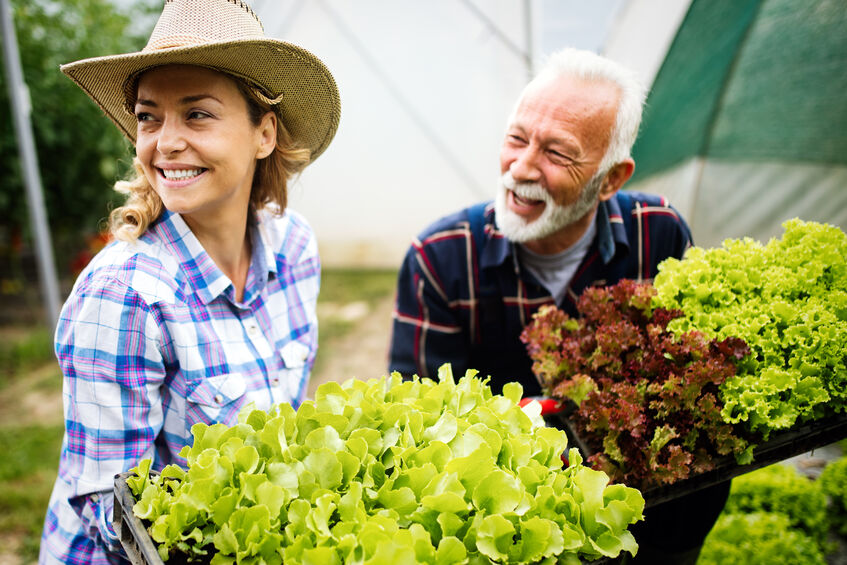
{"x":180,"y":174}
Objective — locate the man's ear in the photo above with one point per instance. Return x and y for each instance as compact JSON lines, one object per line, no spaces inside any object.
{"x":267,"y":135}
{"x":616,"y":178}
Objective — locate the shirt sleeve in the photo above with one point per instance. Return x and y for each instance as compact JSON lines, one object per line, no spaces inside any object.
{"x":426,"y":331}
{"x":682,"y":239}
{"x":108,"y":347}
{"x":658,"y":231}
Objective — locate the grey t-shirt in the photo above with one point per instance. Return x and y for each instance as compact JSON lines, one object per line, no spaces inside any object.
{"x":555,"y":271}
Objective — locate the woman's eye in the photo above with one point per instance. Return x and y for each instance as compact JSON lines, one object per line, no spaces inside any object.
{"x":143,"y":116}
{"x":197,"y":115}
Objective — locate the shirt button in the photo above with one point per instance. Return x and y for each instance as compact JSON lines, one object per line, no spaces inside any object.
{"x":252,"y":330}
{"x":218,"y":399}
{"x":275,"y":381}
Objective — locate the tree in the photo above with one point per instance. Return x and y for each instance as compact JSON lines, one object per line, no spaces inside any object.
{"x":80,"y":152}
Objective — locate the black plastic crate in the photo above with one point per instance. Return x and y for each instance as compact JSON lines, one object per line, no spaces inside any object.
{"x":781,"y":446}
{"x":137,"y":543}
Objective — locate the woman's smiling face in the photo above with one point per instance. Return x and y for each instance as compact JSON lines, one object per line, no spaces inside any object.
{"x":196,"y":143}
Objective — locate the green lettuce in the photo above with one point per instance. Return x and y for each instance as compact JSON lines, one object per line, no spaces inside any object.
{"x":787,"y":299}
{"x":384,"y":472}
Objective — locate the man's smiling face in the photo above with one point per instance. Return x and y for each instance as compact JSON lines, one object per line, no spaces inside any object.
{"x":550,"y":157}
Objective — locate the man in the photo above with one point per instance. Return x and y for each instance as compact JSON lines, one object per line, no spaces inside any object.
{"x":559,"y":223}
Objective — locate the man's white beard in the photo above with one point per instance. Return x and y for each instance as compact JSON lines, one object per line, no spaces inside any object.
{"x":553,"y":218}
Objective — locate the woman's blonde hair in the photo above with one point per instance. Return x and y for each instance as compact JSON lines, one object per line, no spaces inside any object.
{"x":270,"y":180}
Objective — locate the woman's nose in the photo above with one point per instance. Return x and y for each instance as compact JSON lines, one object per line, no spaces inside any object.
{"x":171,"y":137}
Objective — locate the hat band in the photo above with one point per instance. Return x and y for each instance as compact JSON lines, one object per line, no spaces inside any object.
{"x":257,"y":92}
{"x":131,"y":85}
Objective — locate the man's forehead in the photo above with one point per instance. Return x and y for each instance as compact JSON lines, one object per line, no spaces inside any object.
{"x":570,"y":91}
{"x":568,"y":109}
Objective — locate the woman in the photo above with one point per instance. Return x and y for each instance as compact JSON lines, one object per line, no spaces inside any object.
{"x":205,"y":301}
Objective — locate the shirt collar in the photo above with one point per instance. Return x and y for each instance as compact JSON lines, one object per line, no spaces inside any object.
{"x":264,"y":259}
{"x":207,"y":280}
{"x":497,"y":249}
{"x":610,"y":234}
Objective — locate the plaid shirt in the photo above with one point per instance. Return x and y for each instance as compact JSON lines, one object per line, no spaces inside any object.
{"x":152,"y":341}
{"x":466,"y":302}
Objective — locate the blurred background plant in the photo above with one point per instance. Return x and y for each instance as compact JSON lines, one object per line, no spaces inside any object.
{"x":68,"y":130}
{"x":778,"y":515}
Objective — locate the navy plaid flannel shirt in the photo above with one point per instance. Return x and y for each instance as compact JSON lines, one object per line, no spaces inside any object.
{"x":466,"y":302}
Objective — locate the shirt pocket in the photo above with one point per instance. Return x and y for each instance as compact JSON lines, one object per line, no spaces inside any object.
{"x":215,"y":399}
{"x":292,"y":373}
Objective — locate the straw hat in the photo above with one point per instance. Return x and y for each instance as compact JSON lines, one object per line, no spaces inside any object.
{"x":224,"y":35}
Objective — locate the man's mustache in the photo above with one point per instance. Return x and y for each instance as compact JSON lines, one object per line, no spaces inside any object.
{"x":528,"y":190}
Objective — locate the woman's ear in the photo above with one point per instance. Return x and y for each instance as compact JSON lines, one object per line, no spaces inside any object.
{"x":267,"y":135}
{"x":616,"y":178}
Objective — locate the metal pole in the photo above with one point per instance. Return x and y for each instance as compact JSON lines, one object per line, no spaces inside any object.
{"x":525,"y":54}
{"x":19,"y":95}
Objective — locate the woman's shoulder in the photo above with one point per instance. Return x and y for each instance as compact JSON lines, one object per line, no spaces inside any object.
{"x":143,"y":267}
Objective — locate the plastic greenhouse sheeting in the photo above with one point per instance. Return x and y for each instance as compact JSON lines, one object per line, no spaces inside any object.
{"x":746,"y":121}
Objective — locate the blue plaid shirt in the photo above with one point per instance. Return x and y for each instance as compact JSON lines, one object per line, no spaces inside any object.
{"x":465,"y":300}
{"x":152,"y":341}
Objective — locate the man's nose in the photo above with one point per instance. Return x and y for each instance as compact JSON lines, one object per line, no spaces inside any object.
{"x":525,"y":166}
{"x":171,"y":137}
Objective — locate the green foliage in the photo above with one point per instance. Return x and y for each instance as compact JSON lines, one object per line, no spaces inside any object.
{"x":788,"y":300}
{"x":648,"y":401}
{"x":780,"y":489}
{"x":758,"y":538}
{"x":386,"y":471}
{"x":79,"y":150}
{"x":833,"y":481}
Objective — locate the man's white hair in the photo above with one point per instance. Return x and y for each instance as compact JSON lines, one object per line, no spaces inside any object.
{"x":592,"y":67}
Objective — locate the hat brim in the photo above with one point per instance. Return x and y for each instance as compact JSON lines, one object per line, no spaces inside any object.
{"x":310,"y":107}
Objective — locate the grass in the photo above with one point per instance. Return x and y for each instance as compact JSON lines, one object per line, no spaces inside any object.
{"x":30,"y":448}
{"x":342,"y":287}
{"x":22,"y":349}
{"x":27,"y":472}
{"x":350,"y":285}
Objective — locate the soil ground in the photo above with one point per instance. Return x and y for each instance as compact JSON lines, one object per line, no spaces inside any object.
{"x":361,"y":353}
